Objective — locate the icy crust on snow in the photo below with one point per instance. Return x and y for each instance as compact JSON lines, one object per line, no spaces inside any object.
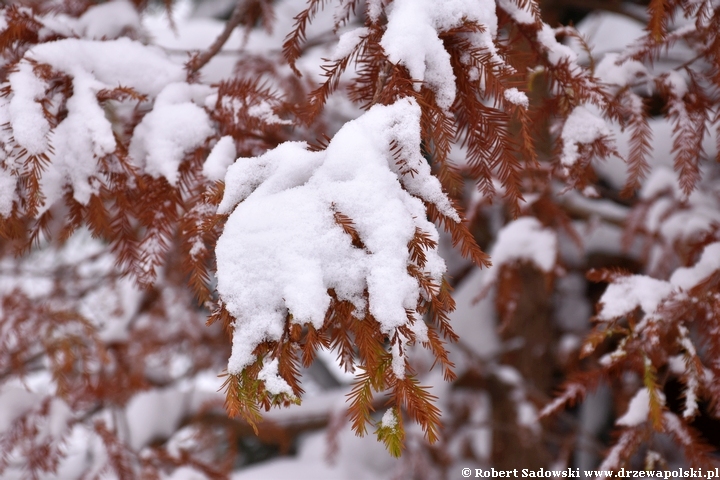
{"x":282,"y":248}
{"x":86,"y":134}
{"x":628,"y":293}
{"x":412,"y":39}
{"x":523,"y":239}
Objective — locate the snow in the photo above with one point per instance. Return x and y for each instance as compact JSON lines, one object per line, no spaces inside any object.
{"x":155,"y":414}
{"x":85,"y":134}
{"x":7,"y":192}
{"x":619,"y":72}
{"x":300,"y":191}
{"x":412,"y":39}
{"x":176,"y":126}
{"x":111,"y":308}
{"x":513,"y":95}
{"x":264,"y":112}
{"x":689,"y":224}
{"x":474,"y":320}
{"x":687,"y":278}
{"x":675,"y":427}
{"x":389,"y":419}
{"x":637,"y":411}
{"x":117,"y":62}
{"x":614,"y":169}
{"x":480,"y":418}
{"x":661,"y":180}
{"x":582,"y":127}
{"x":281,"y":249}
{"x":221,"y":157}
{"x":30,"y":128}
{"x":374,"y":9}
{"x":348,"y":41}
{"x":523,"y":239}
{"x":185,"y":473}
{"x":691,"y":396}
{"x":15,"y":401}
{"x":525,"y":411}
{"x":274,"y":383}
{"x":627,"y":293}
{"x":676,"y":83}
{"x":58,"y":418}
{"x":522,"y":15}
{"x":109,"y":20}
{"x":556,"y":51}
{"x":357,"y":459}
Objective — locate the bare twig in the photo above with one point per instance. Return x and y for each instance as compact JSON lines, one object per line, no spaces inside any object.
{"x":199,"y":61}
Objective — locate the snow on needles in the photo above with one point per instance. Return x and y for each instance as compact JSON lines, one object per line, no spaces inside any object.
{"x":174,"y":127}
{"x":282,"y":248}
{"x":523,"y":239}
{"x":86,"y":134}
{"x":638,"y":409}
{"x":582,"y":127}
{"x":628,"y":293}
{"x":221,"y":157}
{"x":412,"y":39}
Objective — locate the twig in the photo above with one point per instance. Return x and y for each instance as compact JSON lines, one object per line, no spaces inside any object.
{"x":201,"y":60}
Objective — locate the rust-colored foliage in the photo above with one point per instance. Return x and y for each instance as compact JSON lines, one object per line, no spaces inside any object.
{"x":504,"y":138}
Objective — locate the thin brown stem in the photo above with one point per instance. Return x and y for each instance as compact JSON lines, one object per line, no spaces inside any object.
{"x":199,"y":61}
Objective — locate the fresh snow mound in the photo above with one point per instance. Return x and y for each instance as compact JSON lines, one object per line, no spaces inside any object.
{"x":282,"y":248}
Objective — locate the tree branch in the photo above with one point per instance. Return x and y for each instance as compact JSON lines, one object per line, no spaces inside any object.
{"x":199,"y":61}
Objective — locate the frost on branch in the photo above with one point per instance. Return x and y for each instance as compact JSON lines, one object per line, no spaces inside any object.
{"x":335,"y":239}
